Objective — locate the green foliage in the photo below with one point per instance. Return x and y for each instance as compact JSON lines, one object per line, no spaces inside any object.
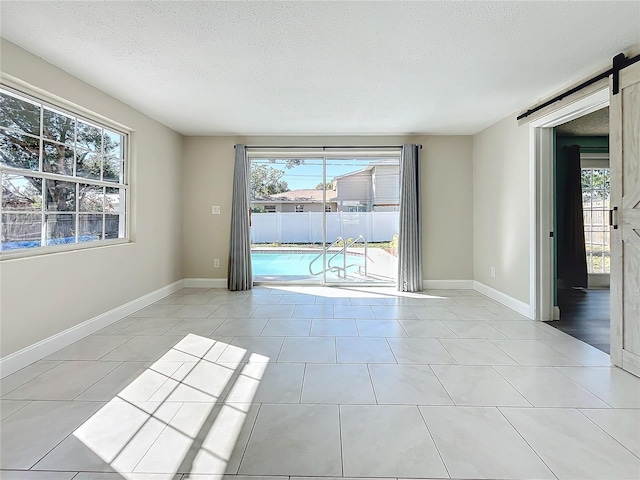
{"x":323,"y":186}
{"x":97,"y":151}
{"x":393,"y":244}
{"x":20,"y":195}
{"x":596,"y":184}
{"x":266,"y":181}
{"x":288,"y":162}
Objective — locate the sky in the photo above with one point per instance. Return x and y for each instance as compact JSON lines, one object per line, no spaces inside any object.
{"x":309,"y":174}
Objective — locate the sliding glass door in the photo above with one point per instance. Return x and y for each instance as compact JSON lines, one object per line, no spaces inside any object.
{"x":330,"y":219}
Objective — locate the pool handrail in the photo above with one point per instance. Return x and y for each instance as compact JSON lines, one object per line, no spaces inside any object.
{"x":337,"y":240}
{"x":345,"y":245}
{"x":353,"y":242}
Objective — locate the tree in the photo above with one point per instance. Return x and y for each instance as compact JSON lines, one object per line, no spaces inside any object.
{"x":288,"y":162}
{"x":322,"y":186}
{"x":266,"y":181}
{"x":96,"y":151}
{"x":596,"y":184}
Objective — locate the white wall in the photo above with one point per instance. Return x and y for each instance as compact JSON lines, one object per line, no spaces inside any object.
{"x":501,"y":215}
{"x":447,"y":184}
{"x":44,"y":295}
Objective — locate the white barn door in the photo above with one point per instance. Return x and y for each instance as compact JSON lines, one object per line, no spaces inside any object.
{"x":625,"y":239}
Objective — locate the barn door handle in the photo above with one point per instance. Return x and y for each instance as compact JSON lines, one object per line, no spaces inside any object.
{"x":613,"y":218}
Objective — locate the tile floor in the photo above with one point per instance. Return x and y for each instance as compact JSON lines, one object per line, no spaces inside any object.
{"x":318,"y":382}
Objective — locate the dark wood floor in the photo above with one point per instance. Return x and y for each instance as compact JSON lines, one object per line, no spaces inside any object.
{"x":584,"y":314}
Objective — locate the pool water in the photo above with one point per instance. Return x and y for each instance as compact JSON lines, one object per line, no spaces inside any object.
{"x":298,"y":263}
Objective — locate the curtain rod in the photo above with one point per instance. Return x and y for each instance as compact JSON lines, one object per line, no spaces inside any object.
{"x":619,"y":62}
{"x":301,"y":147}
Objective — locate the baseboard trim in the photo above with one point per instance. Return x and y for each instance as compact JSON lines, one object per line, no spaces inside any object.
{"x":426,"y":284}
{"x":447,"y":284}
{"x":508,"y":301}
{"x":205,"y":283}
{"x":20,"y":359}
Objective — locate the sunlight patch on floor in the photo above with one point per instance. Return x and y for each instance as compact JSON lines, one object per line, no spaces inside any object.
{"x":170,"y":419}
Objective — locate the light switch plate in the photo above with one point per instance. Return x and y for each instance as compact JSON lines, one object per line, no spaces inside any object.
{"x":215,"y":210}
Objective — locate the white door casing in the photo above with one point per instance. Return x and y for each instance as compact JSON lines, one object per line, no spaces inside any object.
{"x":625,"y":239}
{"x":541,"y":198}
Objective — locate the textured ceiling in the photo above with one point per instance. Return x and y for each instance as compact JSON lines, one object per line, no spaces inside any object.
{"x":594,"y":124}
{"x":207,"y":68}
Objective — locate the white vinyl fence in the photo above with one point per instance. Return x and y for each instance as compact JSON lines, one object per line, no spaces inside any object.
{"x":307,"y":227}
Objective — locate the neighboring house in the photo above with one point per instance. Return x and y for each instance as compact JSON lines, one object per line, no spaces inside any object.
{"x":375,"y":188}
{"x":306,"y":200}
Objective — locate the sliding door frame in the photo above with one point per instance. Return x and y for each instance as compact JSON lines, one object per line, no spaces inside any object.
{"x":326,"y":155}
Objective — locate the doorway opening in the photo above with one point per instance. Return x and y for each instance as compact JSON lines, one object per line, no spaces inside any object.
{"x":582,"y":241}
{"x":325,"y":219}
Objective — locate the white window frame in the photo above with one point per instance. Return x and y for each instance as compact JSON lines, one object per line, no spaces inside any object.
{"x":357,"y":208}
{"x":596,"y":161}
{"x":86,"y":117}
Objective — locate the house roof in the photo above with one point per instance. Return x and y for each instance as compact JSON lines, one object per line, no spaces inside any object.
{"x":303,"y":195}
{"x":357,"y":172}
{"x":383,"y":162}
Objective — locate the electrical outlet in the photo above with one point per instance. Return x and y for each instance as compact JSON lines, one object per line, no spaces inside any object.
{"x":216,"y":263}
{"x":493,"y":272}
{"x":215,"y":210}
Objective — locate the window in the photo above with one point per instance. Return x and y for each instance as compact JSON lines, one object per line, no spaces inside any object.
{"x":299,"y":208}
{"x":357,"y":208}
{"x":596,"y":194}
{"x":63,"y":176}
{"x":270,"y":209}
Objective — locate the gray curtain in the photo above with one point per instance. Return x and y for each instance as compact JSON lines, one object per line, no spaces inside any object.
{"x":240,"y":275}
{"x":409,"y":238}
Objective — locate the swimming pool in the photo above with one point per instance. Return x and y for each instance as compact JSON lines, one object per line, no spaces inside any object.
{"x":297,"y":263}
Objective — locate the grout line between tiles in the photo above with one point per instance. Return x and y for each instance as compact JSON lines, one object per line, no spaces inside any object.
{"x":304,"y":376}
{"x":392,"y":352}
{"x":56,"y":362}
{"x":120,"y":363}
{"x":246,"y":445}
{"x":525,"y":440}
{"x":607,"y":433}
{"x":442,"y":384}
{"x":373,"y":387}
{"x":64,"y":438}
{"x":424,"y":420}
{"x":503,"y":351}
{"x":281,"y":347}
{"x":445,"y":349}
{"x":341,"y":444}
{"x":581,"y":386}
{"x":512,"y":386}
